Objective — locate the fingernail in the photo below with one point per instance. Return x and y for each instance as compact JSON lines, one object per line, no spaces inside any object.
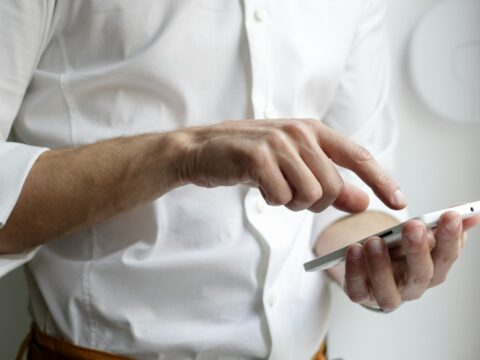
{"x":376,"y":245}
{"x":355,"y":252}
{"x":415,"y":235}
{"x":453,"y":224}
{"x":399,"y":198}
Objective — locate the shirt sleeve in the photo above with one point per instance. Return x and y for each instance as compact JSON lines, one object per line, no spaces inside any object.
{"x":23,"y":36}
{"x":361,"y":108}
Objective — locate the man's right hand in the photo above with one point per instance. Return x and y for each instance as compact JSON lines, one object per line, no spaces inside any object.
{"x":290,"y":161}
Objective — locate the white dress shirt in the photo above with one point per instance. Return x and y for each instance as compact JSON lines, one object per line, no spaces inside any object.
{"x":198,"y":273}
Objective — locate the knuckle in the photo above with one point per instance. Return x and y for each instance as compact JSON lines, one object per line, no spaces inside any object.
{"x":377,"y":274}
{"x":280,"y":199}
{"x":295,"y":206}
{"x":297,"y":129}
{"x":333,"y":189}
{"x":357,"y":297}
{"x":276,"y":138}
{"x":437,"y":280}
{"x":361,"y":154}
{"x":351,"y":277}
{"x":260,"y":155}
{"x":383,"y":179}
{"x":271,"y":200}
{"x":411,"y":296}
{"x":377,"y":260}
{"x":422,"y":280}
{"x":415,"y":249}
{"x":285,"y":198}
{"x":449,"y":258}
{"x":310,"y":122}
{"x":388,"y":304}
{"x":311,"y":196}
{"x":318,"y":207}
{"x":289,"y":126}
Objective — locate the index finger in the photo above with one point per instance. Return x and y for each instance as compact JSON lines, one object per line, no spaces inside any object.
{"x":350,"y":155}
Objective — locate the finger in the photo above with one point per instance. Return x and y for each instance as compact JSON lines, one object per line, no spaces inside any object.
{"x":356,"y":275}
{"x":323,"y":169}
{"x":419,"y":262}
{"x":432,"y":242}
{"x":471,"y":222}
{"x":346,"y":153}
{"x":447,"y":249}
{"x":464,"y":238}
{"x":398,"y":252}
{"x":382,"y":282}
{"x":273,"y":185}
{"x":351,"y":199}
{"x":306,"y":190}
{"x":343,"y":196}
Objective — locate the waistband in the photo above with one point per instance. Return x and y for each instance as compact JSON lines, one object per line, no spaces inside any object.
{"x":40,"y":346}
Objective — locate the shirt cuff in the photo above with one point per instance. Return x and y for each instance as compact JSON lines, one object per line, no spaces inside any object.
{"x":11,"y":262}
{"x":16,"y":160}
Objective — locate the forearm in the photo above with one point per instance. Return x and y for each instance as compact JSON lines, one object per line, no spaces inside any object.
{"x":74,"y":188}
{"x":348,"y":230}
{"x":70,"y":189}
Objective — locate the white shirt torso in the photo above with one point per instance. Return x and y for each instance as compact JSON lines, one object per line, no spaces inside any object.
{"x":198,"y":273}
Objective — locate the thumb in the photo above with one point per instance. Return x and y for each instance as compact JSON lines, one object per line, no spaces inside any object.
{"x":351,"y":199}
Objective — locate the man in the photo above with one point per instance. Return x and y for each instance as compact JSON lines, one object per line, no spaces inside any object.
{"x":156,"y":229}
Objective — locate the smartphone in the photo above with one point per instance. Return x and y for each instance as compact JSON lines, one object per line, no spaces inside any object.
{"x":391,"y":236}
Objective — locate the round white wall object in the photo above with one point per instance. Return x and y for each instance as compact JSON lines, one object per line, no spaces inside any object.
{"x":445,"y":60}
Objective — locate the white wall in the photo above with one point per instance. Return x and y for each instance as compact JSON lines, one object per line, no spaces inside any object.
{"x":437,"y":167}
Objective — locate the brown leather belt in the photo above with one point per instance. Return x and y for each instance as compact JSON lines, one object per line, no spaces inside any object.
{"x":41,"y":346}
{"x":322,"y":353}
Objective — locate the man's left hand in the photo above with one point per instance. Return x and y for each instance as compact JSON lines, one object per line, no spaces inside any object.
{"x":378,"y":277}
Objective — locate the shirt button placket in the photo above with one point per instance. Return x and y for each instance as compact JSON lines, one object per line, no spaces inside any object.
{"x":260,"y":205}
{"x":269,"y":112}
{"x":256,"y":22}
{"x":272,"y":298}
{"x":260,"y":15}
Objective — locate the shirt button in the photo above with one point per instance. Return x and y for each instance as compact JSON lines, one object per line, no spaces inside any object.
{"x":269,"y":112}
{"x":260,"y":15}
{"x":272,"y":299}
{"x":261,"y":205}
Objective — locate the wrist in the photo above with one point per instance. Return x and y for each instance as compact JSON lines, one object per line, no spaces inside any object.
{"x":175,"y":151}
{"x":188,"y":144}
